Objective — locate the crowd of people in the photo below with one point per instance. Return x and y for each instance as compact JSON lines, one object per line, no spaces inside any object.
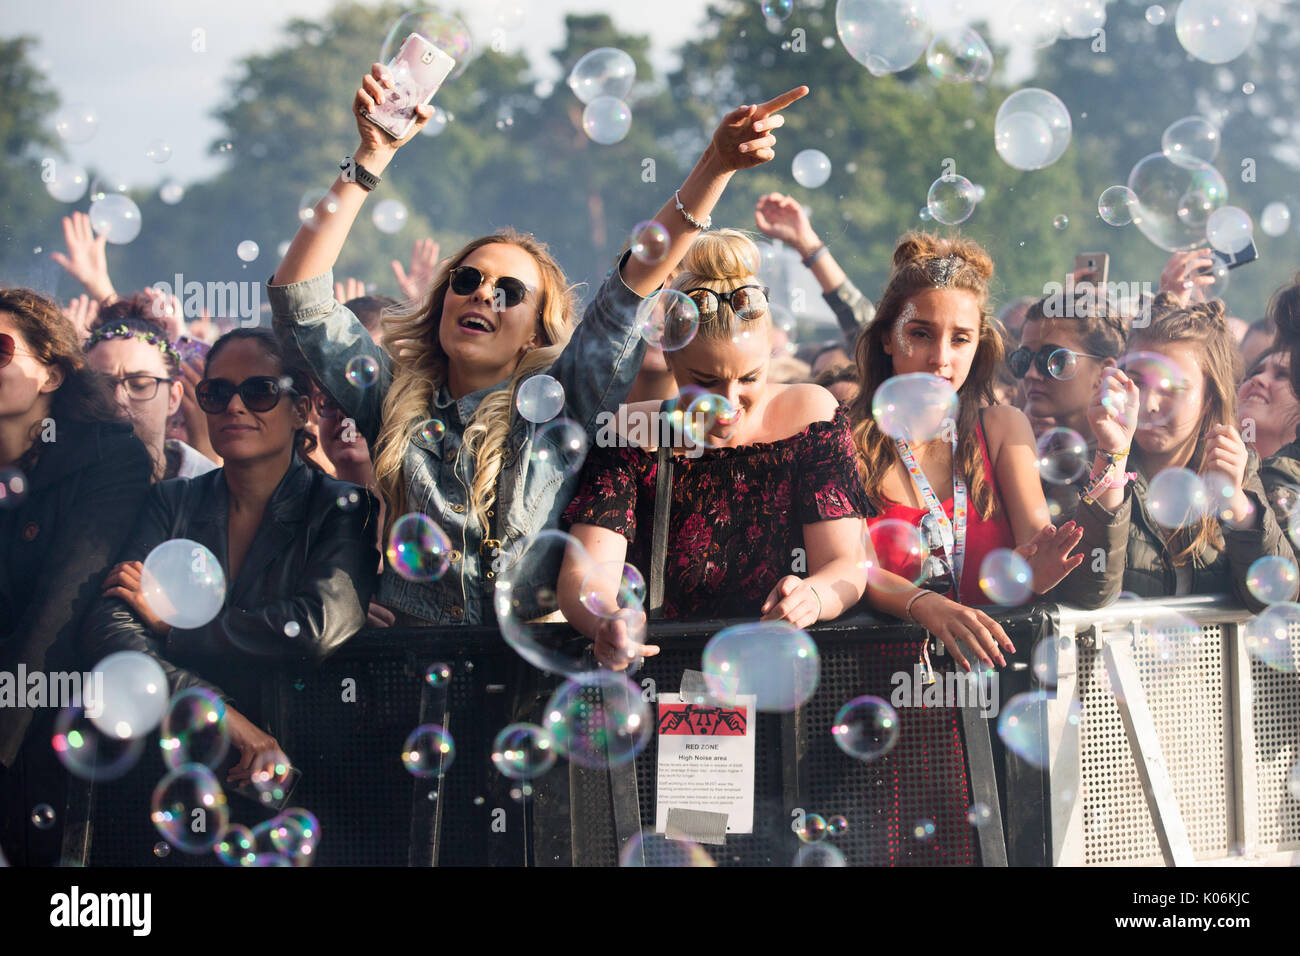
{"x":291,"y":453}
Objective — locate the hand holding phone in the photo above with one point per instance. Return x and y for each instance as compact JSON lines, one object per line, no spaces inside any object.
{"x":416,"y":72}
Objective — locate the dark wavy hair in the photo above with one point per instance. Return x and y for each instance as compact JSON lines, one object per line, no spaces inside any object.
{"x":137,"y":315}
{"x":85,"y":395}
{"x":304,"y":443}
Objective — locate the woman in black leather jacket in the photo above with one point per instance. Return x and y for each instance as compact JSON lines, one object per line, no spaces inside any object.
{"x":72,"y":478}
{"x":296,"y":547}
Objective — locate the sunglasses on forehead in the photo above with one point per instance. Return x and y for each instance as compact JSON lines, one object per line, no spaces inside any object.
{"x":747,"y":302}
{"x":465,"y":280}
{"x":261,"y":393}
{"x":1052,"y":361}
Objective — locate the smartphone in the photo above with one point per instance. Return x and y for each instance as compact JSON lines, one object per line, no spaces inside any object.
{"x":1234,"y":259}
{"x":418,"y":70}
{"x":1098,"y":263}
{"x":192,"y":351}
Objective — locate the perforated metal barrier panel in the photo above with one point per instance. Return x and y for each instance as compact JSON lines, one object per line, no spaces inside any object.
{"x":1275,"y":714}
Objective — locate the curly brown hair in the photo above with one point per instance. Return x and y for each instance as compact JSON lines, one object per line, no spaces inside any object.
{"x":923,"y":261}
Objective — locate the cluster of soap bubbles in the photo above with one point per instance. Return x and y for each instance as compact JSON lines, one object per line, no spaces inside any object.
{"x":602,"y":79}
{"x":288,"y":839}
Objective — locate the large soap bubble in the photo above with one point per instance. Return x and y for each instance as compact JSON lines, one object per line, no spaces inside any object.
{"x":1174,"y":201}
{"x":189,"y":809}
{"x":1032,"y":129}
{"x":182,"y":582}
{"x":599,"y":719}
{"x":116,"y":217}
{"x":951,"y":199}
{"x":605,"y":71}
{"x":1229,"y":230}
{"x":606,"y":120}
{"x":443,"y":30}
{"x":917,"y":407}
{"x":135,"y":694}
{"x":1215,"y":31}
{"x":1191,"y":141}
{"x":885,"y":36}
{"x":774,"y":661}
{"x":959,"y":56}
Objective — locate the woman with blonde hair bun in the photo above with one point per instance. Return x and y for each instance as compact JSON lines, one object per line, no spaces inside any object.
{"x":441,"y":413}
{"x":975,"y":488}
{"x":763,"y":472}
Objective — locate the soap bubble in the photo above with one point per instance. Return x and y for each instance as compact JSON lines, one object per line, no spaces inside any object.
{"x":1272,"y":637}
{"x":865,"y":728}
{"x":561,"y":444}
{"x":898,"y":548}
{"x":116,"y":217}
{"x":1160,"y":383}
{"x":437,"y":122}
{"x":389,"y":216}
{"x":134,"y":694}
{"x":1035,"y":24}
{"x":1022,"y":725}
{"x":813,"y":829}
{"x":247,"y":250}
{"x":183,"y":583}
{"x":610,"y":587}
{"x":650,"y":242}
{"x":1275,"y":219}
{"x":161,"y":849}
{"x":604,"y":72}
{"x":225,"y":146}
{"x":1174,"y":201}
{"x":236,"y":846}
{"x":979,"y":814}
{"x":598,"y":719}
{"x":184,"y":797}
{"x":539,"y":399}
{"x":1117,"y":205}
{"x":1229,"y":229}
{"x":1176,"y":498}
{"x":1032,"y":129}
{"x":951,"y":199}
{"x":158,"y":151}
{"x":652,"y":849}
{"x":606,"y":120}
{"x":296,"y":834}
{"x":1163,"y":645}
{"x":925,"y":214}
{"x":519,"y":598}
{"x":418,"y":550}
{"x":1062,"y":455}
{"x":668,"y":319}
{"x":362,"y":371}
{"x":427,"y":750}
{"x":292,"y":628}
{"x":307,"y":212}
{"x":917,"y":407}
{"x":1191,"y":141}
{"x":438,"y":675}
{"x":836,"y":825}
{"x":88,"y":753}
{"x":811,"y":168}
{"x":272,"y":779}
{"x":433,"y":430}
{"x":959,"y":56}
{"x":773,"y":660}
{"x":885,"y":36}
{"x":1272,"y":579}
{"x":1155,"y":15}
{"x":1044,"y":660}
{"x":523,"y":751}
{"x":194,"y":729}
{"x":443,"y":30}
{"x":777,"y":9}
{"x":1060,"y":222}
{"x":819,"y":854}
{"x":69,"y":182}
{"x":1215,"y":31}
{"x":709,"y":420}
{"x":13,"y":487}
{"x":76,"y":123}
{"x":106,"y":184}
{"x":171,"y":192}
{"x":43,"y":816}
{"x":1006,"y":577}
{"x":1081,"y":17}
{"x":923,"y":829}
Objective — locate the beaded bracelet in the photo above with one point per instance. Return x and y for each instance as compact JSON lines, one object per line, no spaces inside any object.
{"x":702,"y":226}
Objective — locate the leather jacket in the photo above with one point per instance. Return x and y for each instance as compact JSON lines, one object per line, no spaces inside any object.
{"x":312,"y":563}
{"x":56,"y":546}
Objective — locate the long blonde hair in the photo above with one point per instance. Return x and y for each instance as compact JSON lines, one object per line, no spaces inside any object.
{"x":923,"y":261}
{"x":721,"y":261}
{"x":420,"y":369}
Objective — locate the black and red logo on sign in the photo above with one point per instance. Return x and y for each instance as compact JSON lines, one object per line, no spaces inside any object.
{"x":698,"y":719}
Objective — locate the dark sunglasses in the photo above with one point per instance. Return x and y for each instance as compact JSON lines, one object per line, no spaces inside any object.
{"x":936,"y":571}
{"x":747,"y":302}
{"x":261,"y":393}
{"x":466,"y":279}
{"x":9,"y":348}
{"x":1052,"y":361}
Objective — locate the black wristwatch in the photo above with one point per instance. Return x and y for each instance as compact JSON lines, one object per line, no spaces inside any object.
{"x":354,"y":172}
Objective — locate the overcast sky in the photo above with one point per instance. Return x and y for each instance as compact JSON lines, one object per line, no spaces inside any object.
{"x":131,"y":61}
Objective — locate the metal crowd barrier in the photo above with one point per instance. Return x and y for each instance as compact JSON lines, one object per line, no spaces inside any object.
{"x":1214,"y":746}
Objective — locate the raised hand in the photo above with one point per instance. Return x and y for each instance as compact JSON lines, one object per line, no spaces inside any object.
{"x":782,"y":218}
{"x":744,"y":138}
{"x":81,"y":312}
{"x":1048,"y":554}
{"x":617,"y":645}
{"x":86,"y":259}
{"x":1186,"y":273}
{"x":1113,"y":412}
{"x":416,"y":281}
{"x":349,"y":289}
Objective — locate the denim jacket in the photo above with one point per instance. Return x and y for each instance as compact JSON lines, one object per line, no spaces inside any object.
{"x":596,"y":368}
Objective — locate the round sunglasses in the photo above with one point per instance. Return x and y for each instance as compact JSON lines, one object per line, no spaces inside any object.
{"x":747,"y":302}
{"x":261,"y":393}
{"x":1052,"y":361}
{"x":466,"y":279}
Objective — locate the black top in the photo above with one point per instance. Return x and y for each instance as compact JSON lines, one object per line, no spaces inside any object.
{"x":302,"y":589}
{"x":56,"y":546}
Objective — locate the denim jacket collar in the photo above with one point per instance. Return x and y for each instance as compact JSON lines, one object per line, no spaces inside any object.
{"x":467,"y":405}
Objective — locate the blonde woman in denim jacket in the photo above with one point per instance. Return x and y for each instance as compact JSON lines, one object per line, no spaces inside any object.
{"x":440,"y":413}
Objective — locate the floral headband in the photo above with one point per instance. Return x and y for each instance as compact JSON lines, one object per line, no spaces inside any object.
{"x":121,"y":331}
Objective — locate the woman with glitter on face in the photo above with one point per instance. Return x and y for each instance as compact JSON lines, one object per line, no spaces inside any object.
{"x":974,"y":489}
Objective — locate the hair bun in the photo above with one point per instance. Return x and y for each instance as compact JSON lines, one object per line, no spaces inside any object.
{"x":722,"y":254}
{"x":923,"y":246}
